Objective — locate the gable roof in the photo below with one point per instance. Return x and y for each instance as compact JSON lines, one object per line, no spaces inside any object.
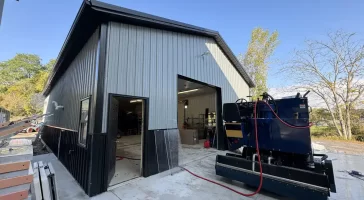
{"x":92,"y":13}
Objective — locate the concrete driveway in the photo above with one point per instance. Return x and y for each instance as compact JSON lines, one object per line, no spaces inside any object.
{"x":180,"y":185}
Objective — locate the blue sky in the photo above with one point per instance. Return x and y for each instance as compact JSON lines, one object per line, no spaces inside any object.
{"x":41,"y":26}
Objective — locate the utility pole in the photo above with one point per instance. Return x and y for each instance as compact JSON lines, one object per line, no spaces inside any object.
{"x":1,"y":9}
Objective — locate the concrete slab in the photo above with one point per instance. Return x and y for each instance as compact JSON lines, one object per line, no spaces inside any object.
{"x":190,"y":153}
{"x":16,"y":154}
{"x":347,"y":187}
{"x":31,"y":136}
{"x":67,"y":186}
{"x":106,"y":196}
{"x":182,"y":185}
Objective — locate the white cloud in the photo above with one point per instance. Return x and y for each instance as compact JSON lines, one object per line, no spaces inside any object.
{"x":280,"y":92}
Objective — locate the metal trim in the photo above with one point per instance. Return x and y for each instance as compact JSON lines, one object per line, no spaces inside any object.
{"x":314,"y":187}
{"x":98,"y":113}
{"x":221,"y":136}
{"x":64,"y":129}
{"x":99,"y":100}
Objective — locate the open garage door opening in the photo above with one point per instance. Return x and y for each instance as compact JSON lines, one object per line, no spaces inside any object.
{"x":197,"y":119}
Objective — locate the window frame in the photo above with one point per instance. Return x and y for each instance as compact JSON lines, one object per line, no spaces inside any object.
{"x":88,"y":122}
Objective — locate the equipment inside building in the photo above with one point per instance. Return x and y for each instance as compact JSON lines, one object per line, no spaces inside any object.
{"x":274,"y":135}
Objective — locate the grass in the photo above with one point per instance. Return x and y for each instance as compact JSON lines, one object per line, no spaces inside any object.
{"x":328,"y":133}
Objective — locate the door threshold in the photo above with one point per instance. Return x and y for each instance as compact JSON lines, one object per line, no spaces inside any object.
{"x":123,"y":183}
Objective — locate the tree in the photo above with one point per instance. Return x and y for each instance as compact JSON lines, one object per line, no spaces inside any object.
{"x":20,"y":67}
{"x":333,"y":69}
{"x":255,"y":61}
{"x":22,"y":80}
{"x":320,"y":116}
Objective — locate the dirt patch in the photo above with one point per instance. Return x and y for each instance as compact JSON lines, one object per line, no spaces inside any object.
{"x":39,"y":148}
{"x":339,"y":146}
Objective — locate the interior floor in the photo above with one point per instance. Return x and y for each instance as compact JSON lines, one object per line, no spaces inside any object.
{"x":128,"y":159}
{"x":191,"y":153}
{"x":128,"y":152}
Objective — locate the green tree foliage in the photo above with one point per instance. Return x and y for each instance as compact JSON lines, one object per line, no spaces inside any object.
{"x":256,"y":59}
{"x":22,"y":80}
{"x":320,"y":117}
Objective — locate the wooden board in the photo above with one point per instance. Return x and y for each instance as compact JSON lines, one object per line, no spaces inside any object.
{"x":20,"y":180}
{"x":20,"y":195}
{"x":14,"y":128}
{"x":45,"y":184}
{"x":52,"y":181}
{"x":25,"y":135}
{"x":16,"y":166}
{"x":36,"y":183}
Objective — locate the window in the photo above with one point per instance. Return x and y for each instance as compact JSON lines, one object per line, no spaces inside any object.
{"x":83,"y":126}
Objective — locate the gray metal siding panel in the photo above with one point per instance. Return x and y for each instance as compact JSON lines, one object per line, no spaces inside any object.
{"x":149,"y":61}
{"x":139,"y":62}
{"x":76,"y":84}
{"x":130,"y":79}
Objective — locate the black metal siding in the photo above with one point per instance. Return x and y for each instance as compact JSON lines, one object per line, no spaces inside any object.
{"x":160,"y":151}
{"x":76,"y":83}
{"x":74,"y":157}
{"x":98,"y":142}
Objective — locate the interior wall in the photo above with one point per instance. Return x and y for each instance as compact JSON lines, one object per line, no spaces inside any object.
{"x":196,"y":106}
{"x":124,"y":107}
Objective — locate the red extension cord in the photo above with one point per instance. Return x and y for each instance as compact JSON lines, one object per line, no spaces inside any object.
{"x":257,"y":149}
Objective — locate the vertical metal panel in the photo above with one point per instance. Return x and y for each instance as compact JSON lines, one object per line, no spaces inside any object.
{"x":74,"y":157}
{"x":184,"y":44}
{"x":164,"y":77}
{"x":170,"y":77}
{"x":148,"y":61}
{"x":123,"y":60}
{"x":138,"y":81}
{"x":196,"y":57}
{"x":188,"y":55}
{"x":159,"y":76}
{"x":131,"y":48}
{"x":113,"y":57}
{"x":75,"y":84}
{"x":153,"y":81}
{"x":173,"y":77}
{"x":179,"y":54}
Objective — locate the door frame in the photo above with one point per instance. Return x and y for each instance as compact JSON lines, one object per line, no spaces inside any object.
{"x":221,"y":136}
{"x":145,"y":108}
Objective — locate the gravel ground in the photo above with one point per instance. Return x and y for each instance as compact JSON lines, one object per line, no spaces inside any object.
{"x":339,"y":146}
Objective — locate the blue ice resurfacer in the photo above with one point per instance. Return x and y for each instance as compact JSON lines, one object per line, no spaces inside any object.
{"x":289,"y":166}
